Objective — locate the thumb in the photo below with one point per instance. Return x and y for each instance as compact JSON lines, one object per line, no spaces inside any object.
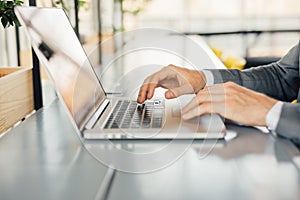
{"x":178,"y":91}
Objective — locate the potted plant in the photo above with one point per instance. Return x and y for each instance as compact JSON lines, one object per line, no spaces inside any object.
{"x":131,"y":9}
{"x":7,"y":14}
{"x":16,"y":89}
{"x":66,"y":6}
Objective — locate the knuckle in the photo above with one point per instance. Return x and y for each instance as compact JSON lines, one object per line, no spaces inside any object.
{"x":205,"y":89}
{"x":199,"y":94}
{"x":147,"y":79}
{"x":173,"y":67}
{"x":206,"y":107}
{"x":229,"y":87}
{"x":229,"y":84}
{"x":164,"y":69}
{"x":198,"y":100}
{"x":232,"y":84}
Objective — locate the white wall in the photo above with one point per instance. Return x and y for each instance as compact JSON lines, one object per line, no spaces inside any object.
{"x":229,"y":15}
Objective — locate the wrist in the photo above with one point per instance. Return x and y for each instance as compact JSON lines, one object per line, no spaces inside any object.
{"x":209,"y":77}
{"x":273,"y":115}
{"x":268,"y":104}
{"x":198,"y":80}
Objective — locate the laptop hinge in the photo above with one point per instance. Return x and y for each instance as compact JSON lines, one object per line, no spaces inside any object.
{"x":90,"y":124}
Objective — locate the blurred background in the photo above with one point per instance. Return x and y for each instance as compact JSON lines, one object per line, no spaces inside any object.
{"x":233,"y":28}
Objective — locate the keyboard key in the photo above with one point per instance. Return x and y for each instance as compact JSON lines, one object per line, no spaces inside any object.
{"x":114,"y":125}
{"x":130,"y":114}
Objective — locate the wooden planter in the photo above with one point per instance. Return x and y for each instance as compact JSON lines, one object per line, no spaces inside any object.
{"x":16,"y":95}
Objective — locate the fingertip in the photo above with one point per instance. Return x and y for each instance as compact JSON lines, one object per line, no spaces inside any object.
{"x":169,"y":94}
{"x":139,"y":100}
{"x":183,"y":110}
{"x":186,"y":117}
{"x":190,"y":114}
{"x":150,"y":95}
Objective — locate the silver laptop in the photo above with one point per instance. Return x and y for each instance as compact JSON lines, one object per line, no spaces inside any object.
{"x":94,"y":113}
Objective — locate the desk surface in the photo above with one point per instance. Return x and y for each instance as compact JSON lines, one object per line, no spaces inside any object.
{"x":43,"y":158}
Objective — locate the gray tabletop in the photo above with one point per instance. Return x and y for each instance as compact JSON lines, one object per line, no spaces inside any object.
{"x":251,"y":166}
{"x":45,"y":158}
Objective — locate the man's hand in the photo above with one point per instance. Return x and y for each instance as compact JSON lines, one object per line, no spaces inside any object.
{"x":177,"y":80}
{"x":233,"y":102}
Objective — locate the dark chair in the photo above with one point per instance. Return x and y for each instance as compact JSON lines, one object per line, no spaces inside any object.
{"x":257,"y":61}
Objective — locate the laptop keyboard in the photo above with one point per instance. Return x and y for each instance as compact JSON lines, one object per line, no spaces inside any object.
{"x":131,"y":115}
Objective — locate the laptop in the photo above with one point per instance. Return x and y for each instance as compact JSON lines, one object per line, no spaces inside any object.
{"x":95,"y":114}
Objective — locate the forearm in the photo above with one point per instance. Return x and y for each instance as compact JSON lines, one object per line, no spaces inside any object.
{"x":279,"y":80}
{"x":270,"y":79}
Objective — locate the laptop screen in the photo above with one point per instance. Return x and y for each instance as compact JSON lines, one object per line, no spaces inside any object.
{"x":63,"y":57}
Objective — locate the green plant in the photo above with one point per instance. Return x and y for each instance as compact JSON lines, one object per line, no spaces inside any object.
{"x":134,"y":7}
{"x":65,"y":6}
{"x":7,"y":14}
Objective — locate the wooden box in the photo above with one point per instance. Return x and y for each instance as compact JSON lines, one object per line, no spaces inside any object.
{"x":16,"y":95}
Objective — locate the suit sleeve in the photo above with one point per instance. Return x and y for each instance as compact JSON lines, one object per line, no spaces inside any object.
{"x":279,"y":80}
{"x":289,"y":122}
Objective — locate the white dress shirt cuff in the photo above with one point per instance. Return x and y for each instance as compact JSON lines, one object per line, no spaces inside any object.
{"x":274,"y":115}
{"x":209,"y":77}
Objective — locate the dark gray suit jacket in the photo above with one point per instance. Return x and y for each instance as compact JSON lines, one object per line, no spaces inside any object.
{"x":279,"y":80}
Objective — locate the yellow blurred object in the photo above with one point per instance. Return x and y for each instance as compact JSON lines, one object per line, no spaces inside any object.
{"x":230,"y":62}
{"x":295,"y":101}
{"x":234,"y":63}
{"x":218,"y":52}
